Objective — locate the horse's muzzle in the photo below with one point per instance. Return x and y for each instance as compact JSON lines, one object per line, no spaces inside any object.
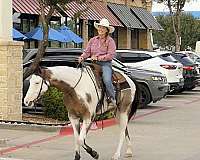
{"x":29,"y":103}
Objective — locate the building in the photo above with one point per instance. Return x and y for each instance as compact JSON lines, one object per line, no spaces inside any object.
{"x":132,"y":20}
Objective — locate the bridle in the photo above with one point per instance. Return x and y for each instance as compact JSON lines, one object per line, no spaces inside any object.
{"x":39,"y":94}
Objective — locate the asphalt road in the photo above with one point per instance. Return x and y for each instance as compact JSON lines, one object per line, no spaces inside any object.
{"x":167,"y":130}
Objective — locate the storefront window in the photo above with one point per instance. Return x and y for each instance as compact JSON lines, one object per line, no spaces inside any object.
{"x":76,"y":26}
{"x":55,"y":25}
{"x":90,"y":29}
{"x":135,"y":39}
{"x":114,"y":35}
{"x":25,"y":25}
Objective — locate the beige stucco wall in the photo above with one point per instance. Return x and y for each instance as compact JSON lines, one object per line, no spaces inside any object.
{"x":124,"y":38}
{"x":10,"y":80}
{"x":10,"y":67}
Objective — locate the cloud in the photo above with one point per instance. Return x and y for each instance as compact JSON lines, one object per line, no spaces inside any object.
{"x":193,"y":5}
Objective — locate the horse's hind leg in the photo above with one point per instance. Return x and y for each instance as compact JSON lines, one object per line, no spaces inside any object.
{"x":91,"y":151}
{"x":129,"y":152}
{"x":76,"y":128}
{"x":82,"y":137}
{"x":123,"y":121}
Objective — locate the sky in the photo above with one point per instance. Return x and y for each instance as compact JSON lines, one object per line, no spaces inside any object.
{"x":193,"y":5}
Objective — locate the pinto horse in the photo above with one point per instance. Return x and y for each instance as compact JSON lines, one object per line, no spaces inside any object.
{"x":81,"y":96}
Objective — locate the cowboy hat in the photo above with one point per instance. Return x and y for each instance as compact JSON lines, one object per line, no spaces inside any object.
{"x":104,"y":22}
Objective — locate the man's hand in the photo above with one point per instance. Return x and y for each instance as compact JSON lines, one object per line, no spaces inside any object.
{"x":80,"y":59}
{"x":94,"y":58}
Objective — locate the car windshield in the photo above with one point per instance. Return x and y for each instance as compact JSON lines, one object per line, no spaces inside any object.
{"x":184,"y":59}
{"x":167,"y":57}
{"x":118,"y":64}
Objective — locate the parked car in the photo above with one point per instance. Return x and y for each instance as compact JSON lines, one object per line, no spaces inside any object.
{"x":153,"y":85}
{"x":153,"y":61}
{"x":195,"y":57}
{"x":189,"y":70}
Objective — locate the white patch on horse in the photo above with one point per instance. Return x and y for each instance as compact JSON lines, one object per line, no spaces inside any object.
{"x":71,"y":76}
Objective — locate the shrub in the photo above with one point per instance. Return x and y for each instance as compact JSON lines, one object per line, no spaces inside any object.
{"x":53,"y":104}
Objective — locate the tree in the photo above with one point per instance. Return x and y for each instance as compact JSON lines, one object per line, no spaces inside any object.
{"x":175,"y":9}
{"x":190,"y":31}
{"x":51,"y":6}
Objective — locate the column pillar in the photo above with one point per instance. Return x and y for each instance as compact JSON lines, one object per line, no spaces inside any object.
{"x":10,"y":67}
{"x":85,"y":33}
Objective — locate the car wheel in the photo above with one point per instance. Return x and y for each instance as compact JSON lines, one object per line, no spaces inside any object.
{"x":145,"y":96}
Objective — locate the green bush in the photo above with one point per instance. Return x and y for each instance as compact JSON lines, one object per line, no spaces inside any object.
{"x":53,"y":103}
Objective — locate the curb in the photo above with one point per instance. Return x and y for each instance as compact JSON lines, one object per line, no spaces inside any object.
{"x":31,"y":127}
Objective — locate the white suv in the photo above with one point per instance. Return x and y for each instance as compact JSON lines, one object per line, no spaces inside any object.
{"x":155,"y":61}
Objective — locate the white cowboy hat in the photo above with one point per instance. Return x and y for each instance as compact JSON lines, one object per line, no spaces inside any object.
{"x":104,"y":22}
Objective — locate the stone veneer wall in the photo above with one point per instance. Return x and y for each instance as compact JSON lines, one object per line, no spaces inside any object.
{"x":11,"y":80}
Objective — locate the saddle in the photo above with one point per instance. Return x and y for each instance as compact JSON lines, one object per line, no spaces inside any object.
{"x":118,"y":80}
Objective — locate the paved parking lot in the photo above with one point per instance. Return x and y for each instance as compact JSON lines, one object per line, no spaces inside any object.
{"x":167,"y":130}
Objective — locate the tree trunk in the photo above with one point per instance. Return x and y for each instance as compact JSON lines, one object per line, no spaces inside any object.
{"x":178,"y":32}
{"x":44,"y":43}
{"x":176,"y":24}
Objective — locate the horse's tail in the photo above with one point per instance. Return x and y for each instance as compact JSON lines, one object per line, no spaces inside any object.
{"x":136,"y":102}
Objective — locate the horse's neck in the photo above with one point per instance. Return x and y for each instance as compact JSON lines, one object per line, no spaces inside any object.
{"x":67,"y":78}
{"x":66,"y":74}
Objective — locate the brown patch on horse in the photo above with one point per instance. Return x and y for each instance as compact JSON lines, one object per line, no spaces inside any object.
{"x":88,"y":97}
{"x":126,"y":100}
{"x":45,"y":73}
{"x":75,"y":106}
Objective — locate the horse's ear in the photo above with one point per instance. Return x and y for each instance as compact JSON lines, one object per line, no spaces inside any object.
{"x":38,"y":71}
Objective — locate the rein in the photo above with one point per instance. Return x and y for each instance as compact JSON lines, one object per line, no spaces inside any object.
{"x":39,"y":94}
{"x":79,"y":78}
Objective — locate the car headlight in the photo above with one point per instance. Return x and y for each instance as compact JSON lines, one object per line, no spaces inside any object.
{"x":158,"y":78}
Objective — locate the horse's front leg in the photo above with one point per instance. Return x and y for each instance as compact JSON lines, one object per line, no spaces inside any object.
{"x":129,"y":152}
{"x":85,"y":128}
{"x":76,"y":128}
{"x":123,"y":121}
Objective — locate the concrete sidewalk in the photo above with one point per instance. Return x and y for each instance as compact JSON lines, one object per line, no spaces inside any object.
{"x":168,"y":130}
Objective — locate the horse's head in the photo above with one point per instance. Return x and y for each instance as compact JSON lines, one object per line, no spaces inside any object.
{"x":38,"y":86}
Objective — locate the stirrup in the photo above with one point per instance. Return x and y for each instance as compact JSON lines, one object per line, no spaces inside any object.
{"x":112,"y":100}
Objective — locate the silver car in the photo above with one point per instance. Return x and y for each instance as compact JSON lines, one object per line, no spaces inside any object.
{"x":153,"y":85}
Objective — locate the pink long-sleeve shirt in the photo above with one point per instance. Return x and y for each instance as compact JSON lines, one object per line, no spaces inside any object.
{"x":103,"y":48}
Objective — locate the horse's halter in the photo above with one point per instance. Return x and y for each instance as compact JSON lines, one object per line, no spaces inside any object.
{"x":39,"y":94}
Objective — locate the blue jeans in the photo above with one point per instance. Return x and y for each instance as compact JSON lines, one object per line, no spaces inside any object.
{"x":107,"y":77}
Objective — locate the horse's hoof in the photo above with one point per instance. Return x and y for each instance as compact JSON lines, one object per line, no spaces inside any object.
{"x":115,"y":157}
{"x":77,"y":156}
{"x":128,"y":155}
{"x":95,"y":155}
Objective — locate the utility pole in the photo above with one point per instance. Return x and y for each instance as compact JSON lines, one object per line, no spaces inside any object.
{"x":10,"y":67}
